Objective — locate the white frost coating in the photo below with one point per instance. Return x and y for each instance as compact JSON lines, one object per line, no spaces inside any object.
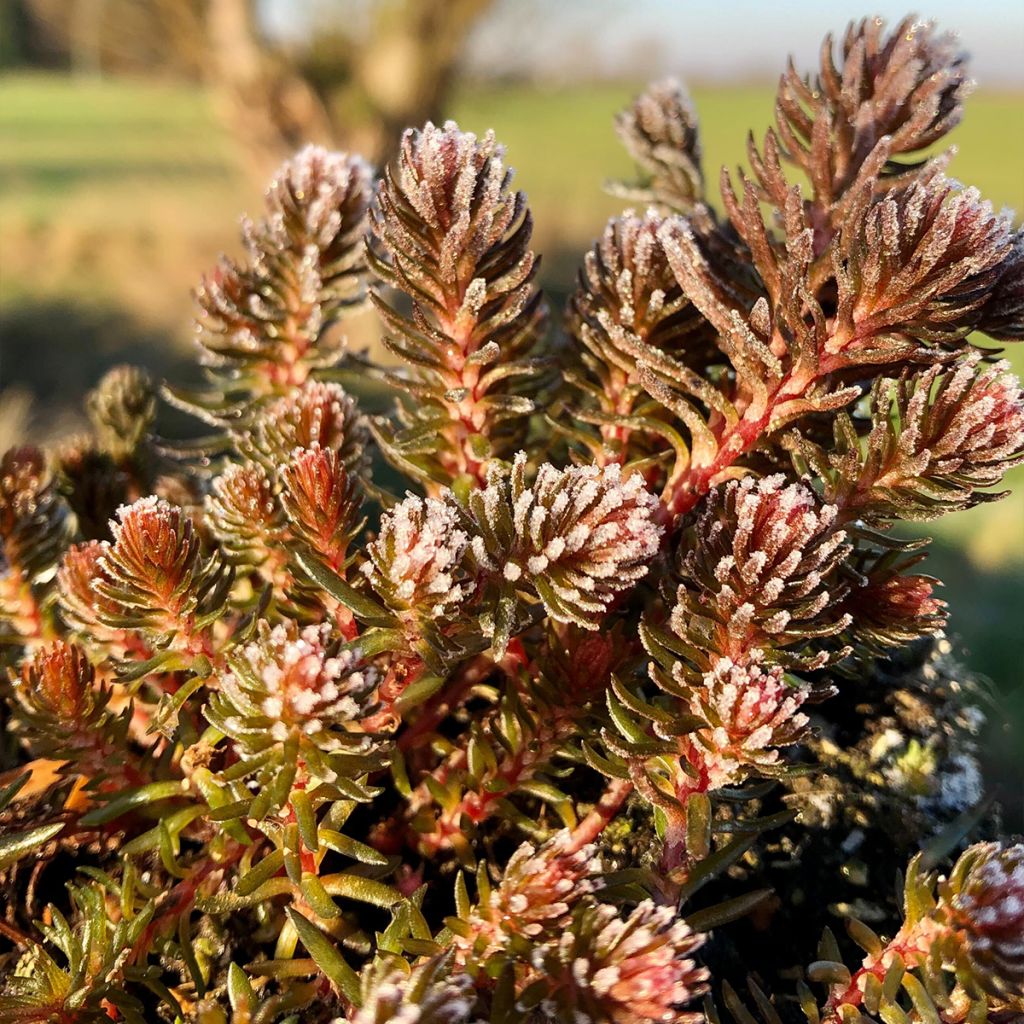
{"x":320,"y":180}
{"x":308,"y":240}
{"x":765,"y":554}
{"x":976,"y":423}
{"x":298,"y":683}
{"x":538,"y":892}
{"x":990,"y":908}
{"x":151,"y":510}
{"x":961,"y":786}
{"x":401,"y":998}
{"x":622,"y":961}
{"x":582,"y":531}
{"x":416,"y":562}
{"x":317,"y":415}
{"x":750,"y":711}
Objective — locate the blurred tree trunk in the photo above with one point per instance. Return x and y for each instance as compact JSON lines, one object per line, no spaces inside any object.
{"x":356,"y":93}
{"x":85,"y":36}
{"x":265,"y":104}
{"x":405,"y":70}
{"x":399,"y":76}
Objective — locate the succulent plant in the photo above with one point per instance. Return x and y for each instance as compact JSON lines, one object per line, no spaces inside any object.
{"x":632,"y":617}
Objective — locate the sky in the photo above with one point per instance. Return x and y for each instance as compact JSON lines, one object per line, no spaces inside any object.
{"x":702,"y":40}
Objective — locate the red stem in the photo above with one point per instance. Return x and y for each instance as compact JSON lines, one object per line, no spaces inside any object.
{"x":734,"y":441}
{"x":181,"y":898}
{"x":911,"y":944}
{"x":615,"y":795}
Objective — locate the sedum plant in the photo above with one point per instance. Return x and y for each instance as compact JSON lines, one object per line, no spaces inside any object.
{"x":513,"y":745}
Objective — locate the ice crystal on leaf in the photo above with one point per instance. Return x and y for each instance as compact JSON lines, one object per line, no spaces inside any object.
{"x":298,"y":692}
{"x":418,"y":561}
{"x":65,"y":713}
{"x":453,"y":235}
{"x":763,"y":568}
{"x":892,"y":93}
{"x":630,"y":970}
{"x":155,"y":575}
{"x":533,"y":902}
{"x":578,"y":536}
{"x":304,"y":266}
{"x":917,"y":263}
{"x":661,"y":134}
{"x":321,"y":502}
{"x":244,"y":513}
{"x":316,"y":415}
{"x":747,"y":712}
{"x":429,"y":994}
{"x":298,"y":681}
{"x":988,"y":914}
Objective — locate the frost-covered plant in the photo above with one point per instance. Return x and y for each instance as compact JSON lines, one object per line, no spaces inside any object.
{"x":271,"y":715}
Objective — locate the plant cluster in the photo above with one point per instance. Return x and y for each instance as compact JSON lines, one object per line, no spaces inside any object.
{"x":306,"y":750}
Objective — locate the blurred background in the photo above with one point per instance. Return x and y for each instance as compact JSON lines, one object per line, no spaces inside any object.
{"x":134,"y":132}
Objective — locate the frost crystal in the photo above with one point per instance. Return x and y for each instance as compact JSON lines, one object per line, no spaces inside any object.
{"x":317,"y":415}
{"x":627,"y":290}
{"x":429,"y":994}
{"x":988,"y":911}
{"x":451,"y":233}
{"x":417,"y":563}
{"x":243,"y":512}
{"x":538,"y":892}
{"x":304,"y":264}
{"x":660,"y":132}
{"x":764,"y":560}
{"x":153,"y":570}
{"x":919,"y":262}
{"x":623,"y":970}
{"x":976,"y":424}
{"x":299,"y":682}
{"x":579,"y":535}
{"x":749,"y":712}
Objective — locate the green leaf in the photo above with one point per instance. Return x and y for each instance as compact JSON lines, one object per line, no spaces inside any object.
{"x":542,"y":790}
{"x":316,"y":896}
{"x":240,"y":993}
{"x":13,"y":848}
{"x":364,"y":607}
{"x":713,"y":865}
{"x":165,"y":661}
{"x":829,"y":972}
{"x":377,"y":640}
{"x":187,"y":949}
{"x":265,"y":869}
{"x":131,"y":800}
{"x":225,"y":902}
{"x":463,"y":907}
{"x":348,"y":847}
{"x":10,"y":791}
{"x":416,"y":693}
{"x":727,"y":910}
{"x":327,"y":957}
{"x":305,"y":818}
{"x":698,"y":825}
{"x":365,"y":890}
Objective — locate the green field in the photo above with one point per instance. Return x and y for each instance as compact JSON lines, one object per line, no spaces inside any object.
{"x":114,"y":196}
{"x":144,"y":169}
